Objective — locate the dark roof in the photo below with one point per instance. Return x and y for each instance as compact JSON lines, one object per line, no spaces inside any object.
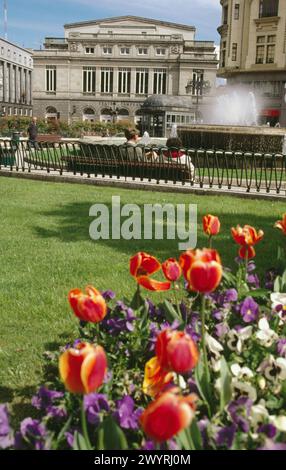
{"x":166,"y":101}
{"x":130,"y":17}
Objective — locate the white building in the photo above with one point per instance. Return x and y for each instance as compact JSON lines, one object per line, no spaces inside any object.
{"x":16,"y":65}
{"x":105,"y":69}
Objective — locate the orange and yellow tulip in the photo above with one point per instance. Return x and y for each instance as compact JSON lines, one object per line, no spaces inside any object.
{"x":176,"y":351}
{"x":155,"y":379}
{"x":211,"y":225}
{"x":202,"y":269}
{"x":171,"y":269}
{"x":89,"y":307}
{"x":169,"y":414}
{"x":246,"y":236}
{"x":82,"y":368}
{"x":281,"y":224}
{"x":142,"y":265}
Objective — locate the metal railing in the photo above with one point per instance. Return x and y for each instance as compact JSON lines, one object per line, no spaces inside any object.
{"x":217,"y":169}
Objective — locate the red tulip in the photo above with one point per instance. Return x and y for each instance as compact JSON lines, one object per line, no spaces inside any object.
{"x":89,"y":307}
{"x":155,"y":378}
{"x":82,"y":369}
{"x":169,"y":414}
{"x":211,"y":225}
{"x":142,"y":265}
{"x":281,"y":224}
{"x":176,"y":351}
{"x":202,"y":269}
{"x":171,"y":269}
{"x":246,"y":235}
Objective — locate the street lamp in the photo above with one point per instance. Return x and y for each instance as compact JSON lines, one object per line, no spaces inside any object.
{"x":198,"y":87}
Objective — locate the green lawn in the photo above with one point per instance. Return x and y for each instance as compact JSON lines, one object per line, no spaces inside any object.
{"x":45,"y":250}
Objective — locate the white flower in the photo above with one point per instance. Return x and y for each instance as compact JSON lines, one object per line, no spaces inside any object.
{"x":215,"y":364}
{"x":244,"y":388}
{"x":279,"y":304}
{"x":241,"y":372}
{"x":265,"y":335}
{"x":237,"y":338}
{"x":259,"y":413}
{"x":273,"y":369}
{"x":213,"y":345}
{"x":279,"y":422}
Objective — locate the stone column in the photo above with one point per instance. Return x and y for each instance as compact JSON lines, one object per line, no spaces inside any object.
{"x":151,"y":81}
{"x":133,"y":82}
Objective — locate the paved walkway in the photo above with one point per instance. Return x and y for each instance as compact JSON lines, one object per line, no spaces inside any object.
{"x":153,"y":185}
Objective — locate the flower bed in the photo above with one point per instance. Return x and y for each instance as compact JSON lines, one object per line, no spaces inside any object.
{"x":204,"y":369}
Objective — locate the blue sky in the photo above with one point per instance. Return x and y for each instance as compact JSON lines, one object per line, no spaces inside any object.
{"x":30,"y":21}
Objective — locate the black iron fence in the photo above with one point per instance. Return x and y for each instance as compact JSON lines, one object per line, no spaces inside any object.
{"x":248,"y":171}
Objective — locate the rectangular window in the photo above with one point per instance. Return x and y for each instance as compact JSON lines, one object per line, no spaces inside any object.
{"x":197,"y":82}
{"x":270,"y":54}
{"x":159,"y":82}
{"x":106,"y":85}
{"x":223,"y":54}
{"x":236,"y":11}
{"x":89,"y":50}
{"x":51,"y":79}
{"x":234,"y":52}
{"x":260,"y":54}
{"x":142,"y":51}
{"x":88,"y":80}
{"x":124,"y":51}
{"x":160,"y":51}
{"x":124,"y":80}
{"x":225,"y":14}
{"x":142,"y":77}
{"x":107,"y":50}
{"x":268,"y":8}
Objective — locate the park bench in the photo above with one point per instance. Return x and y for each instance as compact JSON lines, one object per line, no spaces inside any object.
{"x":113,"y":160}
{"x":48,"y":138}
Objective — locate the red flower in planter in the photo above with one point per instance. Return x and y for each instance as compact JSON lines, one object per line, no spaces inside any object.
{"x":82,"y":368}
{"x":176,"y":351}
{"x":246,"y":236}
{"x":171,"y":269}
{"x":211,"y":225}
{"x":142,"y":265}
{"x":281,"y":224}
{"x":169,"y":414}
{"x":89,"y":307}
{"x":202,"y":269}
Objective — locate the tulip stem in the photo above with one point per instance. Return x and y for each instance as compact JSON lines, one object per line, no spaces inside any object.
{"x":84,"y":427}
{"x":210,"y":241}
{"x":246,"y":265}
{"x":205,"y":357}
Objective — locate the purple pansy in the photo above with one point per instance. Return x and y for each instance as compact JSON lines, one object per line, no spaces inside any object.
{"x":268,"y":429}
{"x":239,"y":411}
{"x":93,"y":404}
{"x":33,"y":431}
{"x":253,"y":279}
{"x":5,"y":438}
{"x":221,"y":329}
{"x":45,"y":398}
{"x":249,"y":310}
{"x":125,"y":414}
{"x":281,"y":347}
{"x":225,"y":436}
{"x":121,"y":320}
{"x":108,"y":295}
{"x":271,"y":445}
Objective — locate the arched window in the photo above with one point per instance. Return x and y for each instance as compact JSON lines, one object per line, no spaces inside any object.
{"x":106,"y":115}
{"x":51,"y":113}
{"x":88,"y":115}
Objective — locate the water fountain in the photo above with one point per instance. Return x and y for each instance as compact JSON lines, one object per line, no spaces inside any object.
{"x":232,"y":124}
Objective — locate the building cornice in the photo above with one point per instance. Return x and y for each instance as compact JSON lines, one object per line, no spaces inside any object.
{"x":126,"y":18}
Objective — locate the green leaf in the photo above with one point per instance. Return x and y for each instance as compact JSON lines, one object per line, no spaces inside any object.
{"x":171,"y":312}
{"x":79,"y":442}
{"x":202,"y":382}
{"x":226,"y":391}
{"x":258,"y":293}
{"x":183,"y":441}
{"x":111,"y":436}
{"x":196,"y":435}
{"x":283,"y":282}
{"x":277,"y":284}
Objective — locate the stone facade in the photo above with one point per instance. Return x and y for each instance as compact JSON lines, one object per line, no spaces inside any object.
{"x":16,"y":65}
{"x":105,"y":69}
{"x":253,"y":52}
